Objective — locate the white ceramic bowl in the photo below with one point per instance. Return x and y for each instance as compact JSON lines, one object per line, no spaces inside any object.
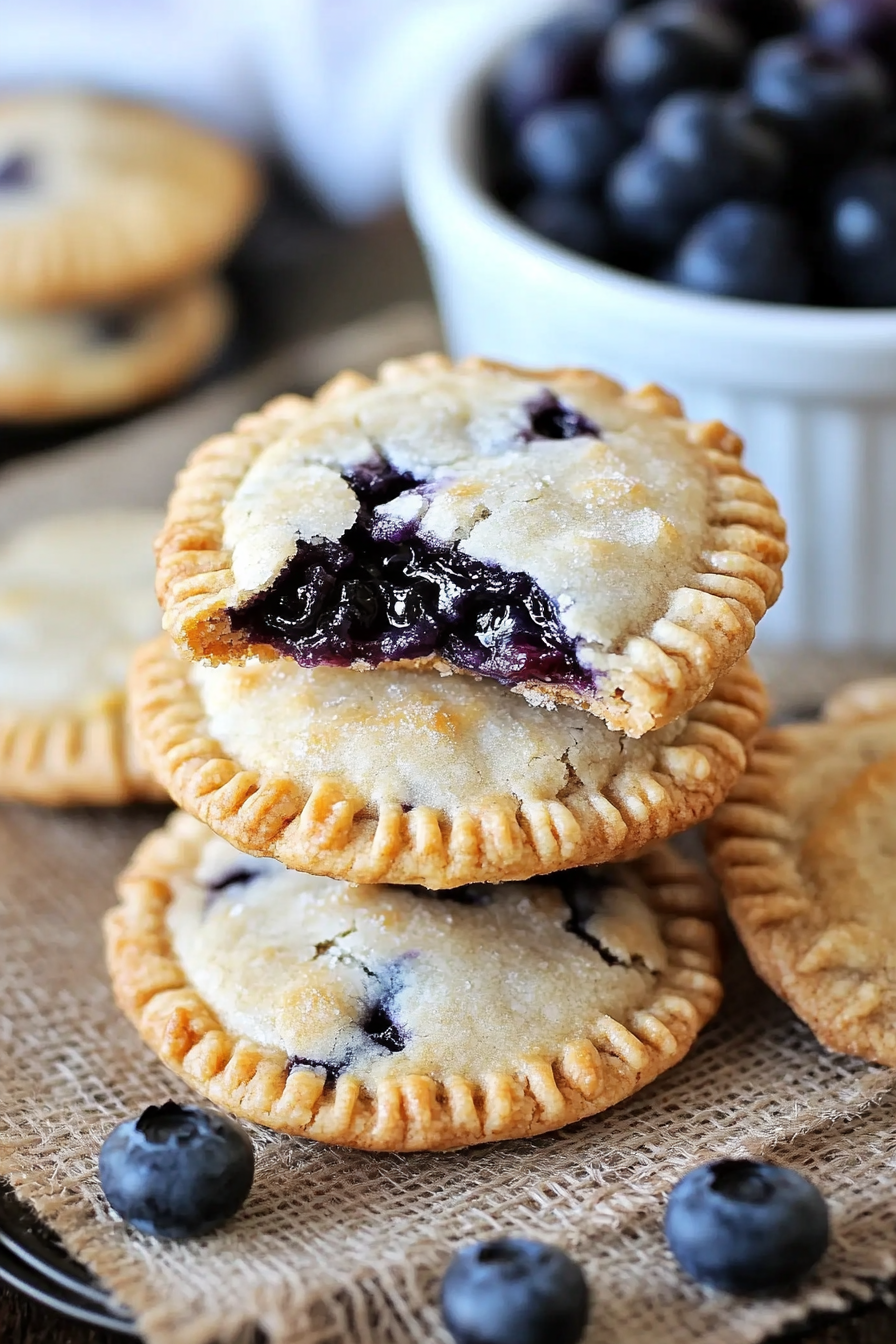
{"x":813,"y":391}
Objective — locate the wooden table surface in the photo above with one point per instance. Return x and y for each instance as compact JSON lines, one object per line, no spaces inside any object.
{"x":353,"y":275}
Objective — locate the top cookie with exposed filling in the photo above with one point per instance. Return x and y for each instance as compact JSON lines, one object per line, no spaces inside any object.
{"x":577,"y":544}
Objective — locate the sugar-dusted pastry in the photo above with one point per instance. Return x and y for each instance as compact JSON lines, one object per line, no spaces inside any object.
{"x":76,"y":599}
{"x":806,"y":853}
{"x":396,"y":775}
{"x":392,"y":1018}
{"x":545,"y":530}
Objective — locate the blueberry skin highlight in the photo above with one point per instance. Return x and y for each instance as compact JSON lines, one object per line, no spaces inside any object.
{"x":860,"y":234}
{"x":744,"y":250}
{"x":513,"y":1291}
{"x":177,"y":1171}
{"x":746,"y":1227}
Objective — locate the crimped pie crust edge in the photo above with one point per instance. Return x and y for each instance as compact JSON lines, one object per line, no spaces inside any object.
{"x":416,"y":1112}
{"x":326,"y":831}
{"x":754,"y":854}
{"x":707,"y":627}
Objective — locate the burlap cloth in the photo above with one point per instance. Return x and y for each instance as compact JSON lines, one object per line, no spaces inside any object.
{"x":336,"y":1245}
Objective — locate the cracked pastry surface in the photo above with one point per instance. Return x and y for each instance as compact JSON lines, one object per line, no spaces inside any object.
{"x":102,"y":200}
{"x":388,"y":1017}
{"x":76,"y":599}
{"x":83,"y":362}
{"x":805,"y":852}
{"x":406,"y":776}
{"x":576,"y":543}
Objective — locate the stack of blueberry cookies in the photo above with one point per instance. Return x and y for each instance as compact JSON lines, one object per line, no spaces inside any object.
{"x":449,"y":656}
{"x":112,"y":218}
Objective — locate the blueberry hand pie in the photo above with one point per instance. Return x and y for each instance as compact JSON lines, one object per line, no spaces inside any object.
{"x":544,"y":531}
{"x":395,"y":1018}
{"x":76,"y":599}
{"x":397,"y":775}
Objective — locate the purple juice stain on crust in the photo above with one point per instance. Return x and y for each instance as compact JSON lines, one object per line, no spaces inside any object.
{"x":381,"y":594}
{"x":16,"y":172}
{"x":552,"y":419}
{"x":332,"y":1071}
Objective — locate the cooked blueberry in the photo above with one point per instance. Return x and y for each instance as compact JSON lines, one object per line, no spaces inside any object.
{"x":512,"y":1291}
{"x":716,"y":135}
{"x":382,"y":593}
{"x":16,"y":172}
{"x":553,"y":62}
{"x":828,"y":102}
{"x":550,"y":418}
{"x":746,"y":1227}
{"x":380,"y":1026}
{"x":330,"y":1071}
{"x":653,"y":200}
{"x":177,"y":1171}
{"x":567,"y":220}
{"x":870,"y":24}
{"x":861,"y":235}
{"x":762,"y":19}
{"x":569,"y":146}
{"x":744,"y":250}
{"x":665,"y":47}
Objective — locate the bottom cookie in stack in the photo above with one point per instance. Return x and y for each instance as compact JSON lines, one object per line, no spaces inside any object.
{"x":805,"y":851}
{"x":396,"y":1018}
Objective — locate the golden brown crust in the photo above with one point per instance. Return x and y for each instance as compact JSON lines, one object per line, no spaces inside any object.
{"x":330,"y":832}
{"x":803,"y":849}
{"x":73,"y":759}
{"x":874,"y":698}
{"x":416,"y":1112}
{"x":706,"y":629}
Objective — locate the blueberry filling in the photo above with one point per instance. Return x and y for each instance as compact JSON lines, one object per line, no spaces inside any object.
{"x":383,"y":593}
{"x":16,"y":171}
{"x":551,"y":419}
{"x":382,"y":1029}
{"x":582,"y":892}
{"x":332,"y":1071}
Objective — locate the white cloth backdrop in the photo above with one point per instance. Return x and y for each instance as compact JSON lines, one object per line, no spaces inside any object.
{"x":332,"y":82}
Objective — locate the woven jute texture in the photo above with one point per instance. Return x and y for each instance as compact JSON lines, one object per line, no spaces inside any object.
{"x":335,"y":1246}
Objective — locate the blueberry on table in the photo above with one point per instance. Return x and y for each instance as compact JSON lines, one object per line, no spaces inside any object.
{"x":569,"y":221}
{"x":744,"y":250}
{"x":652,"y":200}
{"x":830,"y":103}
{"x":663,"y":48}
{"x":718,"y":136}
{"x":177,"y":1171}
{"x":870,"y":24}
{"x":860,"y":234}
{"x":514,"y":1292}
{"x":553,"y":62}
{"x":569,"y":146}
{"x":762,"y":19}
{"x":746,"y":1227}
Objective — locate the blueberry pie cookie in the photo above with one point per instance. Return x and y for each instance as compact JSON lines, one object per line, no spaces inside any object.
{"x":76,"y":599}
{"x":404,"y":776}
{"x":392,"y":1018}
{"x":575,"y":543}
{"x":102,"y":199}
{"x":94,"y":362}
{"x":805,"y":850}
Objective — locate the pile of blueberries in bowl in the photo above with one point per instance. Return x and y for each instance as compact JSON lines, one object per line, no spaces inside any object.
{"x":743,"y":148}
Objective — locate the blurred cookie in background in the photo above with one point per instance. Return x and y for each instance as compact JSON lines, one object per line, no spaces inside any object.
{"x":102,"y":200}
{"x":87,"y":362}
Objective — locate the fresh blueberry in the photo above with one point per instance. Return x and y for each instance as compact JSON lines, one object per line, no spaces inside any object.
{"x":828,"y":102}
{"x":554,"y":62}
{"x":568,"y":221}
{"x":746,"y":1227}
{"x":860,"y":234}
{"x":744,"y":250}
{"x":569,"y":146}
{"x":716,"y":135}
{"x":870,"y":24}
{"x":177,"y":1171}
{"x":652,"y":201}
{"x":16,"y":172}
{"x":663,"y":48}
{"x":762,"y":19}
{"x":514,"y":1292}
